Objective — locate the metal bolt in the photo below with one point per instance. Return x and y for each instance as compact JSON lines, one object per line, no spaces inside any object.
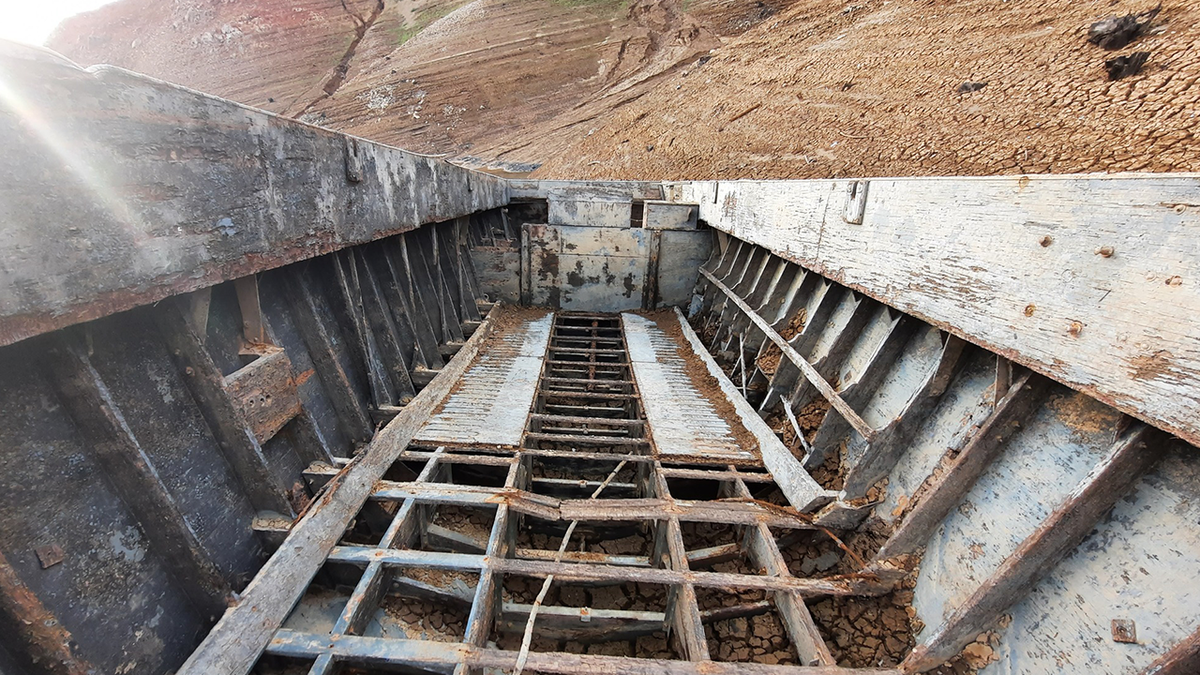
{"x":1029,"y":310}
{"x":1105,"y":251}
{"x":1046,"y":241}
{"x":189,"y":370}
{"x":1075,"y":329}
{"x":1124,"y":630}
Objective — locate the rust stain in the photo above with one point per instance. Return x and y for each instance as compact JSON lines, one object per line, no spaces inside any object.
{"x":1151,"y":366}
{"x":50,"y":644}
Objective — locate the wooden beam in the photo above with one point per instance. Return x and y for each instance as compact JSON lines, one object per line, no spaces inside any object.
{"x":38,"y":635}
{"x":265,"y":393}
{"x":207,"y":386}
{"x":227,"y":207}
{"x":427,"y":654}
{"x":235,"y":643}
{"x":586,"y":572}
{"x":810,"y":373}
{"x":323,"y":350}
{"x":1182,"y":659}
{"x":1065,"y":527}
{"x":800,"y":489}
{"x":945,"y":491}
{"x":136,"y":480}
{"x":254,"y":329}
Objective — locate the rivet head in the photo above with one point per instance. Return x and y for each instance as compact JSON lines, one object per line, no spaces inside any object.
{"x":1105,"y":251}
{"x":1029,"y":309}
{"x":1075,"y":328}
{"x":1046,"y":241}
{"x":1175,"y":280}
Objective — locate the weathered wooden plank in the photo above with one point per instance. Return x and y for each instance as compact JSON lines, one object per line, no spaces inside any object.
{"x":265,"y":393}
{"x":207,"y":386}
{"x":387,"y":651}
{"x":180,"y":190}
{"x":796,"y":484}
{"x":1182,"y":659}
{"x":235,"y":643}
{"x":587,"y":572}
{"x":1070,"y":522}
{"x":132,"y":473}
{"x":1089,"y":280}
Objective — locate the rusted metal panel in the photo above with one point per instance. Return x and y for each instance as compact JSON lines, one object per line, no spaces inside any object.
{"x":1020,"y":272}
{"x":180,"y":190}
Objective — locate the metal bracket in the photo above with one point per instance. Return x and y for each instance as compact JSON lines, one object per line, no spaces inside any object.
{"x":354,"y":168}
{"x":856,"y":202}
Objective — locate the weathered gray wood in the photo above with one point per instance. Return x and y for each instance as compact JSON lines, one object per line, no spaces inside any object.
{"x":945,"y":491}
{"x":799,"y":361}
{"x":796,"y":484}
{"x":1011,"y":263}
{"x":137,"y":482}
{"x":229,"y":427}
{"x":1070,"y":522}
{"x":321,"y":347}
{"x":265,"y":393}
{"x":576,"y":572}
{"x":162,"y":190}
{"x":235,"y":643}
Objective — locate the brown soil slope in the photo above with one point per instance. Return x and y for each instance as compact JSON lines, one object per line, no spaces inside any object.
{"x":626,"y":88}
{"x":259,"y":52}
{"x":508,"y":79}
{"x":823,"y":90}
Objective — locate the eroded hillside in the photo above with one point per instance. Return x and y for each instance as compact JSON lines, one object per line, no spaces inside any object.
{"x":689,"y":88}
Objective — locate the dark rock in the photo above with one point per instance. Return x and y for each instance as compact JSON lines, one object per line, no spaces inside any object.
{"x":1124,"y":66}
{"x":1117,"y":31}
{"x":968,"y":87}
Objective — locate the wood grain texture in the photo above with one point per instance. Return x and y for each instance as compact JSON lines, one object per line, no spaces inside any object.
{"x":265,"y":392}
{"x":1014,"y":264}
{"x":119,"y":190}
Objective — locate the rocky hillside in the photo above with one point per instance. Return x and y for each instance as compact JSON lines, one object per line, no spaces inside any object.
{"x":690,"y":88}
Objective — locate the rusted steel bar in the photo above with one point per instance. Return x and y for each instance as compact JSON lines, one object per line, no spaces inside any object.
{"x":800,"y":362}
{"x":1038,"y":554}
{"x":419,"y":653}
{"x":586,"y":572}
{"x":235,"y":643}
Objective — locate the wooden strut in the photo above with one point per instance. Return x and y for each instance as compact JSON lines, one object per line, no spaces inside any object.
{"x":235,"y":643}
{"x":1062,"y":531}
{"x":799,"y":361}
